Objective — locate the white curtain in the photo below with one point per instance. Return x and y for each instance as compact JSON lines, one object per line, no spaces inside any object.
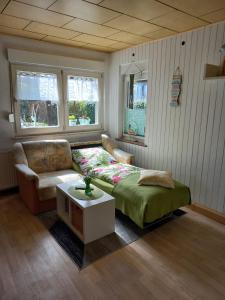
{"x":82,"y":88}
{"x":36,"y":86}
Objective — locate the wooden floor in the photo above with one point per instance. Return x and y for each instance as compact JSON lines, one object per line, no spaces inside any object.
{"x":183,"y":259}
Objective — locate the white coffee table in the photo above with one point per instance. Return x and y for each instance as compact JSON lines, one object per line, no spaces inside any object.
{"x":88,"y":219}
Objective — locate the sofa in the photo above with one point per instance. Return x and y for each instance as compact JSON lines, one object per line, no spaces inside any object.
{"x":41,"y":165}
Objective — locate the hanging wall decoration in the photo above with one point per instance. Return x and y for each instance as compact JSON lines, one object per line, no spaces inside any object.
{"x":176,"y":87}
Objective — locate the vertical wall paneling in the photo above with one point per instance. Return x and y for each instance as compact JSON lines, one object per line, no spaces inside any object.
{"x":188,"y":140}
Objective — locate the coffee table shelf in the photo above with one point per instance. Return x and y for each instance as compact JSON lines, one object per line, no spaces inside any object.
{"x":88,"y":219}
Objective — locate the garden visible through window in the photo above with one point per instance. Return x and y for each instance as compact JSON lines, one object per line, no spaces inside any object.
{"x":37,"y":94}
{"x":83,"y":98}
{"x":135,"y":106}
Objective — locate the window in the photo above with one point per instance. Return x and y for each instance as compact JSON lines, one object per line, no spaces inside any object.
{"x":135,"y":105}
{"x":40,"y":107}
{"x":83,"y":94}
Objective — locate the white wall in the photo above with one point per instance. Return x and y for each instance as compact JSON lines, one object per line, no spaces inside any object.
{"x":188,"y":140}
{"x":7,"y":133}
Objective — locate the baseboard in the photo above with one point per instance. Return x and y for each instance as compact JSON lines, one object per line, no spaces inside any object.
{"x":208,"y":212}
{"x":9,"y":191}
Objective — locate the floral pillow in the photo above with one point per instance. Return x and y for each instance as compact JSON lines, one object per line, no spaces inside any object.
{"x":114,"y":173}
{"x":90,"y":158}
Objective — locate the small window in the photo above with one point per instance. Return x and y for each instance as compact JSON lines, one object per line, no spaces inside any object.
{"x":83,"y":98}
{"x":136,"y":88}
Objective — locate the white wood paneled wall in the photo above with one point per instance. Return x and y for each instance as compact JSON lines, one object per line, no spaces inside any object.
{"x":188,"y":140}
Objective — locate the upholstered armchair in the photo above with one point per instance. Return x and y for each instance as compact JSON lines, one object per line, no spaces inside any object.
{"x":40,"y":166}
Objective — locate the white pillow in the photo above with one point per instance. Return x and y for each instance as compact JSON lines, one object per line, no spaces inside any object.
{"x":155,"y":177}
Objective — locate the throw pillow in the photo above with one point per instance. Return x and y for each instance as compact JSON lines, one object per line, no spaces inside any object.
{"x":155,"y":177}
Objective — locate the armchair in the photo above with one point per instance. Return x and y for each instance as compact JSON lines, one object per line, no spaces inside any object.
{"x":40,"y":166}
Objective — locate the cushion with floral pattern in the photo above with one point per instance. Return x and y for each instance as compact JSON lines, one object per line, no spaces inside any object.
{"x":90,"y":158}
{"x":114,"y":173}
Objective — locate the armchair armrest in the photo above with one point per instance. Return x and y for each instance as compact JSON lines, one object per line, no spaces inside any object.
{"x":112,"y":148}
{"x":122,"y":156}
{"x":27,"y":172}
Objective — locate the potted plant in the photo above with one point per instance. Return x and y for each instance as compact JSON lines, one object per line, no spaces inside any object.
{"x":88,"y":189}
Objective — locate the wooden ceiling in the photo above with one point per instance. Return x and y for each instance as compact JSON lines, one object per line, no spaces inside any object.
{"x":106,"y":25}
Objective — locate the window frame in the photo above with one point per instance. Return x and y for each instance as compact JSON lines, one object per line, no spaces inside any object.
{"x":78,"y":128}
{"x":61,"y":74}
{"x":139,"y":76}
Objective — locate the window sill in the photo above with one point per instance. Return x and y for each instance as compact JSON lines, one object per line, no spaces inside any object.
{"x":138,"y":143}
{"x":59,"y":134}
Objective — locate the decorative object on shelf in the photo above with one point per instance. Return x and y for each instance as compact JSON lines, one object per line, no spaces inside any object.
{"x":213,"y":72}
{"x":176,"y":87}
{"x":88,"y":189}
{"x":216,"y":71}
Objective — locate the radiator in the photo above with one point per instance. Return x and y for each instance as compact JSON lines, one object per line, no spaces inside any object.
{"x":7,"y":171}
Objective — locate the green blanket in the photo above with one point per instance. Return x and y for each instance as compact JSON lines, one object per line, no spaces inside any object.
{"x":144,"y":204}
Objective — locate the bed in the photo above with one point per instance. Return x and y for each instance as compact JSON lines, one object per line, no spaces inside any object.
{"x":142,"y":204}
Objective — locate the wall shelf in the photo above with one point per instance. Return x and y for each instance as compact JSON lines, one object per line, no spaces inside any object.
{"x":214,"y":77}
{"x":213,"y":72}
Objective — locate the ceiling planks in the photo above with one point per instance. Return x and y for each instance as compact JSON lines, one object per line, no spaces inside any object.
{"x":142,"y":9}
{"x":179,"y":21}
{"x":90,"y":28}
{"x":196,"y":8}
{"x":51,"y":30}
{"x":13,"y":22}
{"x":39,"y":3}
{"x":133,"y":25}
{"x":33,"y":13}
{"x":106,"y":25}
{"x":83,"y":10}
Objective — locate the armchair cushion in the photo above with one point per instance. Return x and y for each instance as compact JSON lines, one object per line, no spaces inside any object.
{"x":46,"y":156}
{"x":49,"y":180}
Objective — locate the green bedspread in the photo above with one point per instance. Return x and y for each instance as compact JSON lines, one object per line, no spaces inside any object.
{"x":145,"y":204}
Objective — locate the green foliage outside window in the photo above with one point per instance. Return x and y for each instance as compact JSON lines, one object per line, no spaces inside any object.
{"x":80,"y":111}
